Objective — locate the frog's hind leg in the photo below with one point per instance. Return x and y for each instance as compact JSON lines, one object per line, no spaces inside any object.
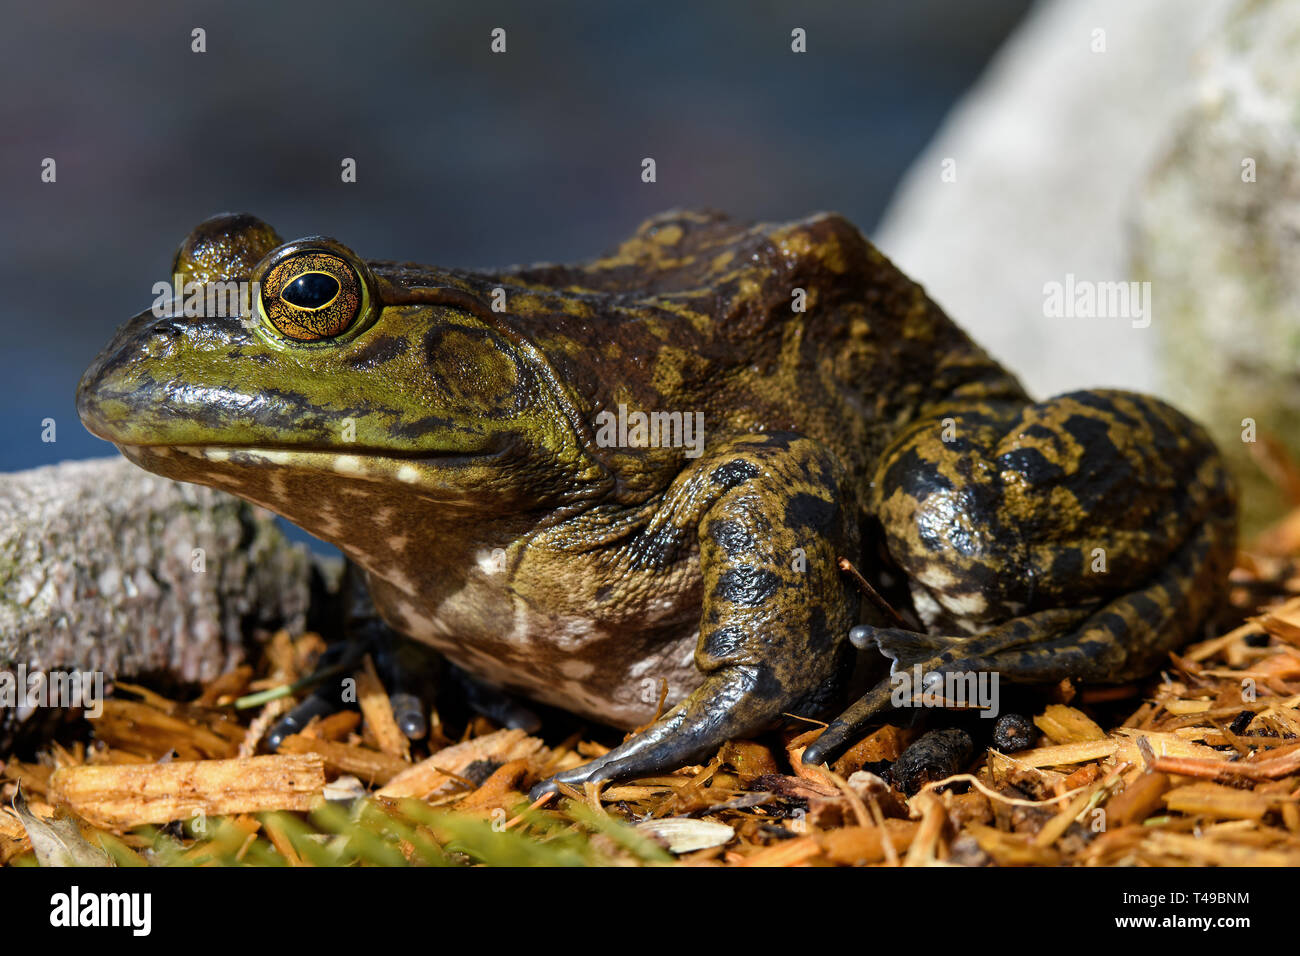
{"x":1082,"y":538}
{"x":1117,"y":641}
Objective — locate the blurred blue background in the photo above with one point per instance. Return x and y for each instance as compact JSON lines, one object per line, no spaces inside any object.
{"x":465,"y":158}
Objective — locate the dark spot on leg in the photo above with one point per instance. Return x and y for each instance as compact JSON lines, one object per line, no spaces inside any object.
{"x":1030,"y":463}
{"x":731,"y":536}
{"x":1067,"y":564}
{"x":1094,"y":435}
{"x":1161,"y":435}
{"x":766,"y":685}
{"x":1102,"y":403}
{"x":746,"y":585}
{"x":915,"y":476}
{"x":1104,"y":471}
{"x":825,"y":475}
{"x":810,"y":512}
{"x":1040,"y":432}
{"x":1147,"y":609}
{"x":655,"y":550}
{"x":735,"y":472}
{"x":724,"y":643}
{"x":779,"y":440}
{"x":1113,"y":624}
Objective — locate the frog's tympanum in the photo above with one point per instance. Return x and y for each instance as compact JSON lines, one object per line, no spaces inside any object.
{"x":589,"y":484}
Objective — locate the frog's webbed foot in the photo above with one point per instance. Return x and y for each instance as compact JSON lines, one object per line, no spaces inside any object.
{"x":765,"y":510}
{"x":405,"y":669}
{"x":409,"y":672}
{"x":1121,"y":527}
{"x":935,"y":654}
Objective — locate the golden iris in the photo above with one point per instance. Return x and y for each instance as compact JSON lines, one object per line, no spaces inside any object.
{"x":312,"y":296}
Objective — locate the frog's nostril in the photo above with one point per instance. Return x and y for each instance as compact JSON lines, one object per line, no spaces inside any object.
{"x":168,"y":329}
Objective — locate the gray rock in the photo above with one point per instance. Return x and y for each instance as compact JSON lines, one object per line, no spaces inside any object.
{"x":1222,"y":252}
{"x":1051,"y":146}
{"x":98,"y":573}
{"x":1126,"y":166}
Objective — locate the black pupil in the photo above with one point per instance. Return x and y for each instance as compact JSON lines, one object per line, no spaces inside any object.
{"x":311,"y":291}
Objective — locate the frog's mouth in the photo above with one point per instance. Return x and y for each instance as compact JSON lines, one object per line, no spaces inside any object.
{"x":259,"y":473}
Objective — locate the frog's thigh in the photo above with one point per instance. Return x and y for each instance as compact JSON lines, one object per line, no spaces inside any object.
{"x":771,"y":527}
{"x":1120,"y":640}
{"x":996,"y":511}
{"x":1082,"y":537}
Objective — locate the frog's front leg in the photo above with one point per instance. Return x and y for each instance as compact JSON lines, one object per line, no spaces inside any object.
{"x":1083,"y":537}
{"x":771,"y":520}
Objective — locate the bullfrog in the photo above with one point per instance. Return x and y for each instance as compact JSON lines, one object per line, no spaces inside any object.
{"x":684,"y":488}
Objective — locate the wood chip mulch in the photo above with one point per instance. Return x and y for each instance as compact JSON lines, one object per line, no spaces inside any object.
{"x":1204,"y":770}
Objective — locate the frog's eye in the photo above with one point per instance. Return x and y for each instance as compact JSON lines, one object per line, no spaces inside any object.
{"x":312,"y":296}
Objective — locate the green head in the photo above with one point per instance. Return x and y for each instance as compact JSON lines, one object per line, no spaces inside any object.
{"x":298,"y":376}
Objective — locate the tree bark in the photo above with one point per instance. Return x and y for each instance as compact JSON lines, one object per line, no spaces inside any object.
{"x":105,"y":567}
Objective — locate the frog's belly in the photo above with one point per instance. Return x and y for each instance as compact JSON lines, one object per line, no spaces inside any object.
{"x":608,"y":673}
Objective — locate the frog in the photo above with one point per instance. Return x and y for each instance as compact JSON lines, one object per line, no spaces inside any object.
{"x":685,"y":488}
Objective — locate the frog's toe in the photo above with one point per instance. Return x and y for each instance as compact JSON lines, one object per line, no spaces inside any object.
{"x":612,"y":767}
{"x":933,"y":653}
{"x":408,"y":712}
{"x":839,"y":731}
{"x":574,"y":778}
{"x":518,"y":717}
{"x":407,"y":670}
{"x":317,"y":705}
{"x":328,"y":697}
{"x":677,"y":739}
{"x":540,"y":790}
